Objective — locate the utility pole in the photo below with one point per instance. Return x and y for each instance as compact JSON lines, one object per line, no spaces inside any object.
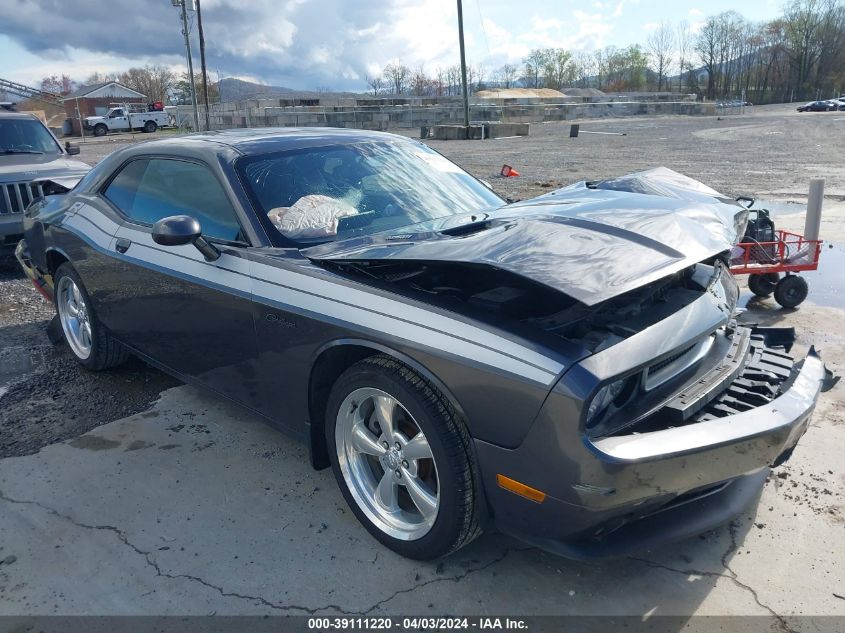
{"x":202,"y":66}
{"x":463,"y":66}
{"x":181,"y":3}
{"x":79,"y":115}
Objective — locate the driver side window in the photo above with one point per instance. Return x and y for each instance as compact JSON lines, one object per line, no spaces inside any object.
{"x":149,"y":189}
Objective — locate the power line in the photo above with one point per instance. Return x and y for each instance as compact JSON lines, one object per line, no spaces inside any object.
{"x":483,"y":30}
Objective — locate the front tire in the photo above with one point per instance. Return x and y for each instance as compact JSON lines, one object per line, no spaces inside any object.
{"x":100,"y":129}
{"x":91,"y":344}
{"x":402,"y":458}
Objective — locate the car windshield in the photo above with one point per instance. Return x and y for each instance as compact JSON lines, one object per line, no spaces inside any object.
{"x":25,"y":136}
{"x":321,"y":194}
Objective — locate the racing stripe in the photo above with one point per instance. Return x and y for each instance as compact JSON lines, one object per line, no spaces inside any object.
{"x":315,"y":297}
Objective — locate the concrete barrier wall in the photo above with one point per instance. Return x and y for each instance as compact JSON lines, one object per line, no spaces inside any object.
{"x":271,"y":112}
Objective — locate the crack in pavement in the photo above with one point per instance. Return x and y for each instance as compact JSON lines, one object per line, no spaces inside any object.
{"x":121,"y":536}
{"x":159,"y":572}
{"x":783,"y":625}
{"x":455,"y":579}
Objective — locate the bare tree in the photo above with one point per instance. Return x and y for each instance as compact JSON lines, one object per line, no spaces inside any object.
{"x":57,"y":84}
{"x":660,"y":45}
{"x":479,"y":75}
{"x":814,"y":42}
{"x":534,"y":67}
{"x":420,"y":83}
{"x":440,"y":81}
{"x":507,"y":75}
{"x":682,"y":41}
{"x":707,"y":47}
{"x":558,"y":70}
{"x":156,"y":82}
{"x":376,"y":84}
{"x":600,"y":66}
{"x":584,"y":66}
{"x":397,"y":75}
{"x":101,"y":78}
{"x":800,"y":53}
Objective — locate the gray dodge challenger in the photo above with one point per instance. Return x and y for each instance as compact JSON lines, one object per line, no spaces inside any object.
{"x":567,"y":370}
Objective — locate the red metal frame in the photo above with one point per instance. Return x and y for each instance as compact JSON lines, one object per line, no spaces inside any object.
{"x":787,"y":244}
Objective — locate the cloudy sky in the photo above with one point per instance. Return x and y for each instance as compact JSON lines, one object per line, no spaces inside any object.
{"x":334,"y":43}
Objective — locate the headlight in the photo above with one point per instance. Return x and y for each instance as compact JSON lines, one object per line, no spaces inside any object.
{"x":616,"y":391}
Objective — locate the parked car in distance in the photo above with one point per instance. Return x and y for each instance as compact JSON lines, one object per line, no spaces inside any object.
{"x":816,"y":106}
{"x":838,"y":104}
{"x":31,"y":160}
{"x":566,"y":369}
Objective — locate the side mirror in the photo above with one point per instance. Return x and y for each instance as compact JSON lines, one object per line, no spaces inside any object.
{"x":177,"y":230}
{"x":72,"y":150}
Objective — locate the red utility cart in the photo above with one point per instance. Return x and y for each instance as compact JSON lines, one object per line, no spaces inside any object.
{"x":764,"y":261}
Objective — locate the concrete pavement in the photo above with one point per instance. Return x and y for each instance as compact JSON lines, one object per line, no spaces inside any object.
{"x":194,"y":507}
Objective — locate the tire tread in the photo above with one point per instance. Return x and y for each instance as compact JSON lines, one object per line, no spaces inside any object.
{"x":453,"y":434}
{"x":107,"y":352}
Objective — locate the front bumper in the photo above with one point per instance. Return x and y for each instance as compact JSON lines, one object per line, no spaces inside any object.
{"x":617,"y":494}
{"x":11,"y":230}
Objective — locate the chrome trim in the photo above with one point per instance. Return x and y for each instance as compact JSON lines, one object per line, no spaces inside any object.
{"x":8,"y":201}
{"x":75,"y":318}
{"x":387,"y":464}
{"x":20,"y":193}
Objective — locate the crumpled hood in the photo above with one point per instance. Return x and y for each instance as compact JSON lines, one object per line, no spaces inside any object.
{"x":590,"y":241}
{"x":29,"y":167}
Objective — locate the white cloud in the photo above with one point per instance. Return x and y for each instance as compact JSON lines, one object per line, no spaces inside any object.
{"x":593,"y":30}
{"x":695,"y":12}
{"x":545,"y":24}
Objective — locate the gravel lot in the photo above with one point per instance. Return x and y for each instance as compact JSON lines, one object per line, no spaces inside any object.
{"x":45,"y":397}
{"x":184,"y":504}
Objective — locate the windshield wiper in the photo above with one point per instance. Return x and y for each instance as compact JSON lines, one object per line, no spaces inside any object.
{"x":12,"y":150}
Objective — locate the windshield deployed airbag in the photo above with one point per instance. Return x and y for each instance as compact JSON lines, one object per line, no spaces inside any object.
{"x":310,"y":216}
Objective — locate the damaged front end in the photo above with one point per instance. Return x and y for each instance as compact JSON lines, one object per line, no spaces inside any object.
{"x":677,"y":427}
{"x":668,"y":413}
{"x":533,"y":311}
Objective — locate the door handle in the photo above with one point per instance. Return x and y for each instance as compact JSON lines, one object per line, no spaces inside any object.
{"x":122,"y":245}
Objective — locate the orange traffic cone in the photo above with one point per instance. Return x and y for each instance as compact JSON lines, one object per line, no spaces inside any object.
{"x":507,"y":170}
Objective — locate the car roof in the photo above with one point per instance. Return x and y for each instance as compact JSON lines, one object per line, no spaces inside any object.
{"x":255,"y":141}
{"x":6,"y":114}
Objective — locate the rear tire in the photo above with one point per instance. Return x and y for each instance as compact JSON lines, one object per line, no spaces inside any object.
{"x":100,"y":129}
{"x":402,"y":458}
{"x":150,"y":127}
{"x":763,"y":285}
{"x":91,"y":344}
{"x":791,"y":291}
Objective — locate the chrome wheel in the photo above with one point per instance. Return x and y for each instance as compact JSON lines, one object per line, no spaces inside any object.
{"x":74,"y":316}
{"x":387,"y":463}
